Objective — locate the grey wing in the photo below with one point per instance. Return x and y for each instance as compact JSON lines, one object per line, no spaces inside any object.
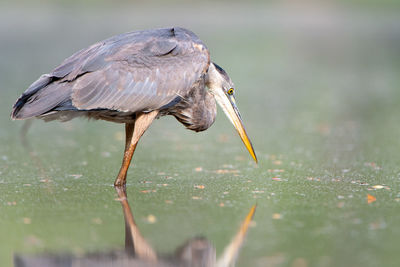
{"x":132,"y":72}
{"x":145,"y":84}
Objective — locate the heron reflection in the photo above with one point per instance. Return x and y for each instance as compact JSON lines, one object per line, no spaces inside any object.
{"x":197,"y":251}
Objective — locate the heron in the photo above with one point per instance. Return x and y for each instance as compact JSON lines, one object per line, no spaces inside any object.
{"x":134,"y":78}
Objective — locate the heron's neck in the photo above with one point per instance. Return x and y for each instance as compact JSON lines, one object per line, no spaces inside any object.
{"x":213,"y":79}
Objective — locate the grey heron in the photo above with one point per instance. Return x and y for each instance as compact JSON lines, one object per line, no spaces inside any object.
{"x":133,"y":78}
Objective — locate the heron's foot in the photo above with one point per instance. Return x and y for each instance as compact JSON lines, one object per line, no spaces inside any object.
{"x":120,"y":181}
{"x":119,"y":184}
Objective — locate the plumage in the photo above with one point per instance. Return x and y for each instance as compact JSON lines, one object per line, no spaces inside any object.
{"x":132,"y":72}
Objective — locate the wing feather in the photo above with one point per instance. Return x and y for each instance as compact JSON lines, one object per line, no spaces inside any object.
{"x":145,"y":82}
{"x":150,"y":72}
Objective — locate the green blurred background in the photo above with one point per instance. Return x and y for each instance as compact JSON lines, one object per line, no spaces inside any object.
{"x":318,"y":88}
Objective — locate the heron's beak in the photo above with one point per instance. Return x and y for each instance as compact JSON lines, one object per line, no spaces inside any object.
{"x":228,"y":105}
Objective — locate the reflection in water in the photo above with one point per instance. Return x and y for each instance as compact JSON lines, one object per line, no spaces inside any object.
{"x":138,"y":252}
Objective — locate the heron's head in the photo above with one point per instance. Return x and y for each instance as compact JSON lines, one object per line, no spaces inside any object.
{"x":223,"y":90}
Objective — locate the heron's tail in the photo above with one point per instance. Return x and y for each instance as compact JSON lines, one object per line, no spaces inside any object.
{"x":41,"y":97}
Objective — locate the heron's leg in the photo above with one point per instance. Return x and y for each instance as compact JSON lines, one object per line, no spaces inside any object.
{"x":133,"y":133}
{"x":129,"y":127}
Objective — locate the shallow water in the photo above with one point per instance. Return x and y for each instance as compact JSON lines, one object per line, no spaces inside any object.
{"x":318,"y":92}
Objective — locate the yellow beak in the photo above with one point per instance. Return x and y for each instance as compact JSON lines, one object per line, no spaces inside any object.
{"x":228,"y":105}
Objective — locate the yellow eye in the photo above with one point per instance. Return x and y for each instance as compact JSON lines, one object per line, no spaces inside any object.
{"x":230,"y":91}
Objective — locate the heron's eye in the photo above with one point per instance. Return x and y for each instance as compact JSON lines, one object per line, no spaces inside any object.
{"x":230,"y":91}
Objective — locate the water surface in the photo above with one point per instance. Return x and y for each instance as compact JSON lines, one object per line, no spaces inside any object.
{"x":318,"y":91}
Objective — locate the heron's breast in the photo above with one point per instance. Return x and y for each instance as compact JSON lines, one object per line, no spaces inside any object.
{"x":197,"y":110}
